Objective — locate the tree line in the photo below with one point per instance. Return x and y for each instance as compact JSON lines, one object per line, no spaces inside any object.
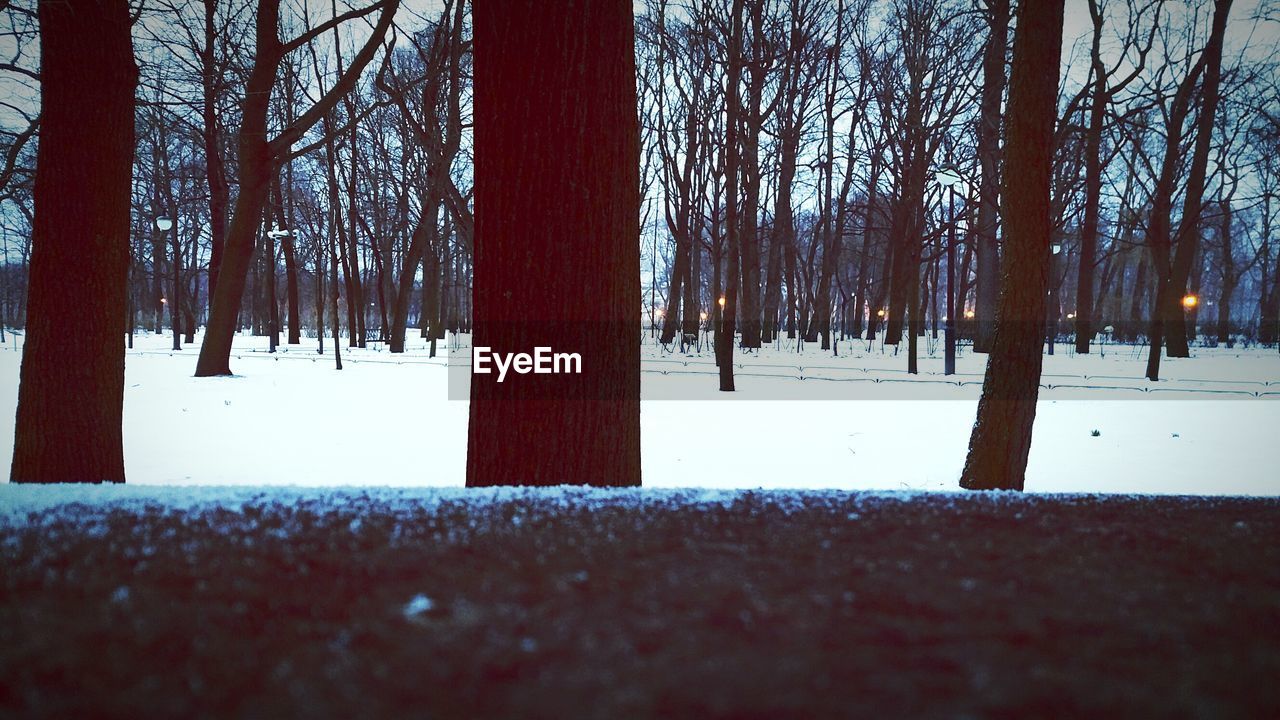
{"x":295,"y":166}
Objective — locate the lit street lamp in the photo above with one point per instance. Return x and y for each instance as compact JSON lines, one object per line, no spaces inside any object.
{"x":165,"y":224}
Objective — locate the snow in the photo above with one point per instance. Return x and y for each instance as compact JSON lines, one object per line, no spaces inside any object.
{"x":856,"y":422}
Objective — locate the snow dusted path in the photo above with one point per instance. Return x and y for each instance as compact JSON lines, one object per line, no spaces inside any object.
{"x":554,"y":603}
{"x":291,"y":419}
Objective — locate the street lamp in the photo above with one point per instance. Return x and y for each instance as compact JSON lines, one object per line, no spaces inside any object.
{"x":1051,"y":326}
{"x":1190,"y":302}
{"x":273,"y":315}
{"x":163,"y":225}
{"x":948,"y":178}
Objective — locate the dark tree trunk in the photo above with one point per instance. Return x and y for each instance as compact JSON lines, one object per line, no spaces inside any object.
{"x":793,"y":285}
{"x":1001,"y":440}
{"x":876,"y":313}
{"x":1188,"y":240}
{"x":1229,"y":278}
{"x":71,"y":392}
{"x":546,"y":187}
{"x":1092,"y":189}
{"x":993,"y":81}
{"x":423,"y":238}
{"x":284,"y":220}
{"x":1167,"y":317}
{"x":219,"y":191}
{"x":1269,"y":302}
{"x":748,"y":241}
{"x":729,"y":316}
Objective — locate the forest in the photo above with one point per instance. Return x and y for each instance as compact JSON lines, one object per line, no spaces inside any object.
{"x":622,"y":358}
{"x":866,"y":202}
{"x":810,"y":175}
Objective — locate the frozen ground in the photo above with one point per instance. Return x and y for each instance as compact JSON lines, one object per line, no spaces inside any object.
{"x":853,"y":422}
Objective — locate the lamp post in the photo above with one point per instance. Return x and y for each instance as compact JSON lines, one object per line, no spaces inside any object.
{"x":947,"y":178}
{"x":1051,"y":330}
{"x":164,"y":225}
{"x":273,"y":311}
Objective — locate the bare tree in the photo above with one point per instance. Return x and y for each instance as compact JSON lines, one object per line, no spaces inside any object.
{"x":71,"y":392}
{"x":260,"y":154}
{"x":1001,"y":440}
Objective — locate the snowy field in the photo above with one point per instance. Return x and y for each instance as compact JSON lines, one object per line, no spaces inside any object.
{"x":800,"y":420}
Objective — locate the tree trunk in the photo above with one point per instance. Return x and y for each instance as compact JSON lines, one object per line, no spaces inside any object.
{"x":993,"y":81}
{"x":1001,"y":440}
{"x":423,"y":238}
{"x":71,"y":391}
{"x":549,"y":188}
{"x":215,"y":170}
{"x":1167,"y":316}
{"x":1188,"y":239}
{"x":729,"y":316}
{"x":1092,"y":189}
{"x":748,"y":241}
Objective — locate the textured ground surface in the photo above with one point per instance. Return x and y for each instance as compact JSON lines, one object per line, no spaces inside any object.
{"x":641,"y":604}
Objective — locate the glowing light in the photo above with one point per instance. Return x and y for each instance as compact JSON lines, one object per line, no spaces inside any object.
{"x":879,"y":313}
{"x":164,"y":301}
{"x":1190,"y":301}
{"x":1071,"y":316}
{"x":704,"y":316}
{"x":969,"y":314}
{"x":721,"y":301}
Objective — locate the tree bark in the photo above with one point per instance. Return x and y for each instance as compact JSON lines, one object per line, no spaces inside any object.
{"x":215,"y":170}
{"x":1001,"y":439}
{"x":71,"y":393}
{"x":1092,"y":189}
{"x":988,"y":250}
{"x":557,"y":194}
{"x":729,"y":315}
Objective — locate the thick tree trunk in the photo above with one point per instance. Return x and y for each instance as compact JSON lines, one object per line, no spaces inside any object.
{"x":71,"y":392}
{"x":993,"y":82}
{"x":547,"y":188}
{"x":1001,"y":440}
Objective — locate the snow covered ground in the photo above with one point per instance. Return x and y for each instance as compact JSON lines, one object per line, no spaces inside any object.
{"x":856,"y":421}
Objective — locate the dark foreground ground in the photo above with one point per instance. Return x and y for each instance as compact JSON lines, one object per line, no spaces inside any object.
{"x":638,"y":605}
